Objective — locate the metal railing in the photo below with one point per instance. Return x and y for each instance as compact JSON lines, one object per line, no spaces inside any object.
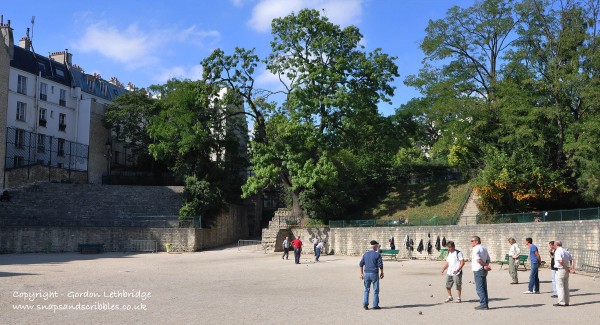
{"x":586,"y":260}
{"x":251,"y":246}
{"x":545,"y":216}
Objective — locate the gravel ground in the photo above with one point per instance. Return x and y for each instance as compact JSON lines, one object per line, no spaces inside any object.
{"x":228,"y":286}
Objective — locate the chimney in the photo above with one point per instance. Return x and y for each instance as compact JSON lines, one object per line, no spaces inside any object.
{"x":63,"y":57}
{"x":25,"y":43}
{"x":7,"y":36}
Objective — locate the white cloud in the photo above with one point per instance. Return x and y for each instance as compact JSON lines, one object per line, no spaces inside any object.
{"x":340,"y":12}
{"x":136,"y":48}
{"x":179,"y":72}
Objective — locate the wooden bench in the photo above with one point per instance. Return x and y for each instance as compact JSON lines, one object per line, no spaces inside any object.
{"x":90,"y":248}
{"x":521,"y":261}
{"x":390,"y":252}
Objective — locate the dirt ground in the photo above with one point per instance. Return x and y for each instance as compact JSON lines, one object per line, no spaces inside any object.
{"x":227,"y":286}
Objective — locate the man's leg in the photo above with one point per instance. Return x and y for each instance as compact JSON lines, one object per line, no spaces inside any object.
{"x":376,"y":290}
{"x":481,"y":287}
{"x":560,"y":286}
{"x":484,"y":287}
{"x":367,"y":282}
{"x":567,"y":293}
{"x":554,"y":281}
{"x":458,"y":281}
{"x":536,"y":283}
{"x":513,"y":270}
{"x":531,"y":277}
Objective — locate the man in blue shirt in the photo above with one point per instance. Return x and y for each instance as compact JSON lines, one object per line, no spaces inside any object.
{"x":370,"y":264}
{"x":536,"y":260}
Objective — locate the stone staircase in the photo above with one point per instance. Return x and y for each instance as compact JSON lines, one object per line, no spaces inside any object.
{"x":89,"y":205}
{"x":273,"y":236}
{"x":470,"y":210}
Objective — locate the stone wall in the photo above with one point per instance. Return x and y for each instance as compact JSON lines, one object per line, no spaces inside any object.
{"x":355,"y":241}
{"x":229,"y":227}
{"x":19,"y":177}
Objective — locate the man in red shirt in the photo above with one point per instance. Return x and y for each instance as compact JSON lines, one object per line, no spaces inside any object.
{"x":297,"y":243}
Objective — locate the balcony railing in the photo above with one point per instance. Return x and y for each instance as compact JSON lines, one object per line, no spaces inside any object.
{"x":62,"y":102}
{"x":42,"y":122}
{"x":62,"y":127}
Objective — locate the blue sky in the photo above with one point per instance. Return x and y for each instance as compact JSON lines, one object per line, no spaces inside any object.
{"x":148,"y":42}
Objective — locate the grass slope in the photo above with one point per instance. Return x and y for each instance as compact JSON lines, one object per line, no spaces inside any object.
{"x":420,"y":202}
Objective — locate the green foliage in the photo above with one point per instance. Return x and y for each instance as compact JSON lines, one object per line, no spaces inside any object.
{"x":201,"y":198}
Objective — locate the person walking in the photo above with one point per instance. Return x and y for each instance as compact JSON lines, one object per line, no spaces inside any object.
{"x":565,"y":265}
{"x":286,"y":248}
{"x":513,"y":260}
{"x":370,"y":266}
{"x":551,"y":251}
{"x":392,"y":243}
{"x":318,"y":250}
{"x":297,"y":244}
{"x":480,"y":264}
{"x":454,"y":264}
{"x":535,"y":260}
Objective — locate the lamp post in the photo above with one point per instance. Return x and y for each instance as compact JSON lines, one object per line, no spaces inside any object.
{"x":108,"y":156}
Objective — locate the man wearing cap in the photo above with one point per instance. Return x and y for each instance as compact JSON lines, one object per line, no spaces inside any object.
{"x":370,"y":264}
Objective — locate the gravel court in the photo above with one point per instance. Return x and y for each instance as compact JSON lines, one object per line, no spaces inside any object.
{"x":227,"y":286}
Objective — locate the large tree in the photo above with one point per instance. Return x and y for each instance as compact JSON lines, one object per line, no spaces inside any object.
{"x":329,"y":83}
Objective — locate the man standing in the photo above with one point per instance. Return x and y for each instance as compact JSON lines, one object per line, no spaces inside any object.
{"x":564,"y":263}
{"x":315,"y":242}
{"x":454,"y":263}
{"x":392,"y":243}
{"x":480,"y":260}
{"x":297,"y":243}
{"x":286,"y":248}
{"x":551,"y":251}
{"x":535,"y":259}
{"x":513,"y":260}
{"x":372,"y":264}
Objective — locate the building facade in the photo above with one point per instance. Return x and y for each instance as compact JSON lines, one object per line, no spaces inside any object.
{"x":51,"y":115}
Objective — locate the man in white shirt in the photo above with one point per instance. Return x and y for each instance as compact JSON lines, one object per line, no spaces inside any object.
{"x":480,"y":264}
{"x":315,"y":242}
{"x":563,"y":261}
{"x":454,"y":264}
{"x":513,"y":260}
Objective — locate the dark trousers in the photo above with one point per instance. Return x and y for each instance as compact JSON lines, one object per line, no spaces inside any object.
{"x":297,"y":252}
{"x":286,"y":253}
{"x":534,"y":279}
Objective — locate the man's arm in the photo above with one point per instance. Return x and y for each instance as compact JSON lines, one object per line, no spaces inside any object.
{"x":537,"y":254}
{"x":445,"y":267}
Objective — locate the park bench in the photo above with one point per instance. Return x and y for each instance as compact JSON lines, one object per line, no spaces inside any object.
{"x":90,"y":248}
{"x":390,"y":252}
{"x":521,"y":261}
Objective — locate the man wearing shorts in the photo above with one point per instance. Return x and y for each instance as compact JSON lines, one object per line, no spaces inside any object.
{"x":454,"y":264}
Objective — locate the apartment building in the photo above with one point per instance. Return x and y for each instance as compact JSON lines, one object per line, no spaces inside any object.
{"x":51,"y":116}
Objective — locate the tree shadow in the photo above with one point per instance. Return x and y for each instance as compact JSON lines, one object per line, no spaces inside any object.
{"x":7,"y":274}
{"x":57,"y":258}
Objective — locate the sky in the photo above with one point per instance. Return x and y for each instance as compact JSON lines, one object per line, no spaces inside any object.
{"x":147,"y":42}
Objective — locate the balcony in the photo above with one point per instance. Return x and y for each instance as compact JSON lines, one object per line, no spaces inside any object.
{"x":43,"y":97}
{"x":62,"y":127}
{"x":42,"y":123}
{"x":62,"y":102}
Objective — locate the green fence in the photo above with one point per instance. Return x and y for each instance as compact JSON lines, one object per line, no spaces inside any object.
{"x":544,"y":216}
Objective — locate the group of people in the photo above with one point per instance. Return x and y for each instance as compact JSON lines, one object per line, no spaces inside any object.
{"x":371,"y":271}
{"x":297,"y":245}
{"x":561,"y":264}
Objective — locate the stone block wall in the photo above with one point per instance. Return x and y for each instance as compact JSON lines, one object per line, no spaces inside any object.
{"x":355,"y":241}
{"x":19,"y":177}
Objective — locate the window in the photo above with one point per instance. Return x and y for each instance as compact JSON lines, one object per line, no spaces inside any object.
{"x":63,"y":98}
{"x":61,"y":147}
{"x":61,"y":122}
{"x":42,"y":121}
{"x":103,"y":87}
{"x":41,"y":142}
{"x":22,"y":85}
{"x":60,"y":72}
{"x":18,"y":161}
{"x":90,"y":82}
{"x":19,"y":138}
{"x":43,"y":91}
{"x":21,"y":111}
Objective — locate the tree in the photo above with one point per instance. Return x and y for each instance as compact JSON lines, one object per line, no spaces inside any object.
{"x":329,"y":84}
{"x":129,"y":115}
{"x":192,"y":134}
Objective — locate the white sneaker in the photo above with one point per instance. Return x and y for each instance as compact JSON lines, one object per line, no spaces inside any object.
{"x":449,"y":299}
{"x":528,"y":292}
{"x":457,"y":300}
